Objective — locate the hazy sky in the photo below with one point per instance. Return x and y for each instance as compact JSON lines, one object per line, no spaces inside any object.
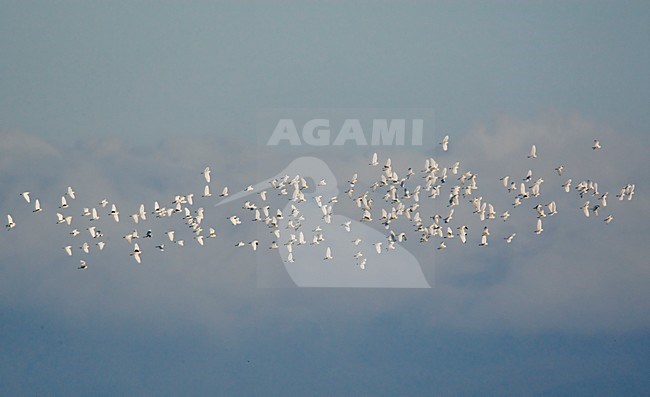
{"x":131,"y":100}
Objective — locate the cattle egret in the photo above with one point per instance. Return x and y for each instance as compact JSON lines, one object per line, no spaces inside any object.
{"x":10,"y":222}
{"x":445,"y":143}
{"x":603,"y":199}
{"x":596,"y":145}
{"x":362,"y":263}
{"x":529,"y":176}
{"x":206,"y":174}
{"x":254,"y":244}
{"x":378,"y":247}
{"x":26,"y":196}
{"x":37,"y":206}
{"x":85,"y":247}
{"x":533,"y":152}
{"x":115,"y":213}
{"x":373,"y":161}
{"x":462,"y":234}
{"x":136,"y":253}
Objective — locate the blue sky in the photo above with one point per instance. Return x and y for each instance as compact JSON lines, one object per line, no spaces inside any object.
{"x":131,"y":100}
{"x":152,"y":69}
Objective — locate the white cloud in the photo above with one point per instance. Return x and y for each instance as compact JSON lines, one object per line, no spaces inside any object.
{"x":579,"y":275}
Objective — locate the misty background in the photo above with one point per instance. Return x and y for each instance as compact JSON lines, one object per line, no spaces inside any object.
{"x":130,"y":101}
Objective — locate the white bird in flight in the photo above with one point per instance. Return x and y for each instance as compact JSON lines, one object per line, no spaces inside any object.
{"x":115,"y":213}
{"x":136,"y":253}
{"x":445,"y":143}
{"x":206,"y":174}
{"x":378,"y":247}
{"x":10,"y":222}
{"x":596,"y":145}
{"x":373,"y":161}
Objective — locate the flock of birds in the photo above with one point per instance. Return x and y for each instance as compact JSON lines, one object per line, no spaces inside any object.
{"x":400,"y":198}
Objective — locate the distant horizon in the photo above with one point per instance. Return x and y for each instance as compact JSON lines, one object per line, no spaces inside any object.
{"x":143,"y":104}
